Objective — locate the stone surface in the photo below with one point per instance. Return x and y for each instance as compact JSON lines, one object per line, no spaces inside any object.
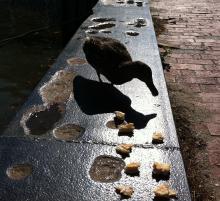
{"x":61,"y":171}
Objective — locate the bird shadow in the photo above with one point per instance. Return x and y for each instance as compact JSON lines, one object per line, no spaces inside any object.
{"x":97,"y":98}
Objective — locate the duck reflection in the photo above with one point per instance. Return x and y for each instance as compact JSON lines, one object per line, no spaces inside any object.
{"x":97,"y":98}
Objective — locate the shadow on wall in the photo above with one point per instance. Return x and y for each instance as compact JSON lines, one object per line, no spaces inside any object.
{"x":97,"y":98}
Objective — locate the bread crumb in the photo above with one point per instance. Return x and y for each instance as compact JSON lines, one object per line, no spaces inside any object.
{"x":127,"y":128}
{"x":164,"y":191}
{"x":161,"y":168}
{"x":124,"y":149}
{"x":125,"y":190}
{"x":157,"y":137}
{"x":132,"y":168}
{"x":120,"y":115}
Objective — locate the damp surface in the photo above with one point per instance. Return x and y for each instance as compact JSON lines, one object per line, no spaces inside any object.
{"x":68,"y":132}
{"x":104,"y":25}
{"x":91,"y":31}
{"x":103,"y":19}
{"x":59,"y":88}
{"x":106,"y":169}
{"x":132,"y":33}
{"x":40,"y":119}
{"x":19,"y":171}
{"x":76,"y":61}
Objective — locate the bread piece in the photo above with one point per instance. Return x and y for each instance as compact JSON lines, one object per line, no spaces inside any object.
{"x":120,"y":115}
{"x":157,"y":137}
{"x":161,"y":168}
{"x":127,"y":128}
{"x":124,"y":149}
{"x":132,"y":168}
{"x":164,"y":191}
{"x":125,"y":190}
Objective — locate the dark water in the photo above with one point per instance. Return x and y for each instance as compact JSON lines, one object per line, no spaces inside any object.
{"x":32,"y":34}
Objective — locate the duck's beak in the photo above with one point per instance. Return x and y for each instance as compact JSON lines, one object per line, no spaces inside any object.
{"x":152,"y":88}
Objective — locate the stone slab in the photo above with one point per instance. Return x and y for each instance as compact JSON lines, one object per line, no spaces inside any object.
{"x":61,"y":171}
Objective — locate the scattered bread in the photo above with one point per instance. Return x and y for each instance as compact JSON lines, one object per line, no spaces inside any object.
{"x":120,"y":115}
{"x":124,"y":190}
{"x":161,"y":168}
{"x":124,"y":149}
{"x":127,"y":128}
{"x":132,"y":168}
{"x":157,"y":137}
{"x":164,"y":191}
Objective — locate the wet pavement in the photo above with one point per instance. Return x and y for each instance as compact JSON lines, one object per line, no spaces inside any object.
{"x":68,"y":170}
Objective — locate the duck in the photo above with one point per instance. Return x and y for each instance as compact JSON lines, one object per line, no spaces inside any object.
{"x":109,"y":57}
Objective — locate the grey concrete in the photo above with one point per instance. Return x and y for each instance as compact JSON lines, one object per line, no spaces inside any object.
{"x":57,"y":163}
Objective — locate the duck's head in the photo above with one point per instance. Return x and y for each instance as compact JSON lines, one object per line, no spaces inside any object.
{"x":145,"y":75}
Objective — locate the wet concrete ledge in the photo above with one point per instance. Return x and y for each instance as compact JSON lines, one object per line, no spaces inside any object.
{"x":61,"y":140}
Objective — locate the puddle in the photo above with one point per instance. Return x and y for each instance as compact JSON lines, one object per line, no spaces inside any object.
{"x":91,"y":32}
{"x":139,"y":3}
{"x":106,"y":169}
{"x":40,"y":119}
{"x":111,"y":124}
{"x":68,"y":132}
{"x":132,"y":33}
{"x":76,"y":61}
{"x":103,"y":19}
{"x":58,"y":89}
{"x":130,"y":2}
{"x":103,"y":25}
{"x":105,"y":31}
{"x":120,"y":2}
{"x":19,"y":171}
{"x":139,"y":22}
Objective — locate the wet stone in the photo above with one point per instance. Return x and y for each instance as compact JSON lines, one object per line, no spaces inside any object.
{"x":76,"y":61}
{"x":139,"y":3}
{"x":104,"y":25}
{"x":130,"y":2}
{"x":105,"y":31}
{"x":91,"y":32}
{"x":59,"y":88}
{"x":68,"y":132}
{"x":132,"y":33}
{"x":106,"y":169}
{"x":103,"y":19}
{"x":19,"y":171}
{"x":40,"y":119}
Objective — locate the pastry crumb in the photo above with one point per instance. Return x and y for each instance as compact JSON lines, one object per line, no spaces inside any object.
{"x":164,"y":191}
{"x":157,"y":137}
{"x":124,"y":149}
{"x":161,"y":168}
{"x":125,"y":190}
{"x":120,"y":115}
{"x":132,"y":168}
{"x":127,"y":128}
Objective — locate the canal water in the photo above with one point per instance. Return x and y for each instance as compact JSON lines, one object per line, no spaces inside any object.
{"x":32,"y":34}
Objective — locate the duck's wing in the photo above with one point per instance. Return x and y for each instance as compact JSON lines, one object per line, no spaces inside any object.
{"x":105,"y":54}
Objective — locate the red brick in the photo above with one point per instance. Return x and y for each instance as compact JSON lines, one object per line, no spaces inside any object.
{"x":188,"y":66}
{"x":208,"y":73}
{"x":210,"y":97}
{"x":193,"y":61}
{"x":214,"y":129}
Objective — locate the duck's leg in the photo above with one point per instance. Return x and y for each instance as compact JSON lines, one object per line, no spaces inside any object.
{"x":99,"y":76}
{"x":141,"y":71}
